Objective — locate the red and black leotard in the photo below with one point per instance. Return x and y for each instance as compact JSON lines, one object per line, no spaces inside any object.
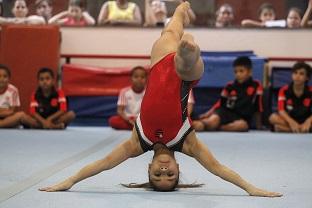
{"x":163,"y":117}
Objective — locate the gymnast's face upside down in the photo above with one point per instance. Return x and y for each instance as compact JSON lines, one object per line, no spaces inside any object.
{"x":164,"y":170}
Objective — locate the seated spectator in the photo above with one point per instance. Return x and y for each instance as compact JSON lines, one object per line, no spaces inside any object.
{"x":20,"y":12}
{"x":266,"y":15}
{"x":129,"y":100}
{"x":293,"y":18}
{"x":120,"y":12}
{"x":306,"y":22}
{"x":44,"y":9}
{"x":295,"y":103}
{"x":48,"y":106}
{"x":239,"y":101}
{"x":74,"y":16}
{"x":224,"y":16}
{"x":156,"y":13}
{"x":9,"y":101}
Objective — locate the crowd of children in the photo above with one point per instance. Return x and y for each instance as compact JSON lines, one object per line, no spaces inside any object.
{"x":239,"y":107}
{"x":124,"y":12}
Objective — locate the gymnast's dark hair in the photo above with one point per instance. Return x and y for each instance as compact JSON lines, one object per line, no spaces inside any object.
{"x":151,"y":186}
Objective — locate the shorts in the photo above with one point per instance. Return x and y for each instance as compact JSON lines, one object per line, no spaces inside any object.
{"x":227,"y":116}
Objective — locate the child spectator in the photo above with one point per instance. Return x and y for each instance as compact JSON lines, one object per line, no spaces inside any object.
{"x":74,"y":16}
{"x":48,"y":106}
{"x":129,"y":100}
{"x":295,"y":103}
{"x":266,"y":15}
{"x":224,"y":16}
{"x":120,"y":12}
{"x":9,"y":101}
{"x":239,"y":101}
{"x":155,"y":13}
{"x":20,"y":12}
{"x":293,"y":18}
{"x":307,"y":15}
{"x":44,"y":9}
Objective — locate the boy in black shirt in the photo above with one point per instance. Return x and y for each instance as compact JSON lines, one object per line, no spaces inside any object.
{"x":295,"y":103}
{"x":48,"y":106}
{"x":239,"y":101}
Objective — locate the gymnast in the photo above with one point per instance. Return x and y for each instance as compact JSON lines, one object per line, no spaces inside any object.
{"x":163,"y":124}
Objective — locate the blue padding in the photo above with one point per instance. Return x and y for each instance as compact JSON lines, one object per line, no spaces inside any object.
{"x":227,"y":53}
{"x":96,"y":106}
{"x":219,"y":70}
{"x":93,"y":107}
{"x":205,"y":98}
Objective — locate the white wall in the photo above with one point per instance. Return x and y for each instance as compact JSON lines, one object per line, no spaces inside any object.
{"x":138,"y":41}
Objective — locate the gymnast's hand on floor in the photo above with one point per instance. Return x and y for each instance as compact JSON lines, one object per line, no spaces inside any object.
{"x":63,"y":186}
{"x":263,"y":193}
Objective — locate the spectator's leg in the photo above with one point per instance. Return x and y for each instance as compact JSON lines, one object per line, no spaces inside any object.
{"x":12,"y":121}
{"x":238,"y":125}
{"x":66,"y":118}
{"x":29,"y":122}
{"x":118,"y":122}
{"x":198,"y":125}
{"x":279,"y":124}
{"x":212,"y":122}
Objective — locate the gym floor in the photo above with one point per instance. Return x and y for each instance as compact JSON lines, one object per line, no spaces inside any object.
{"x":30,"y":159}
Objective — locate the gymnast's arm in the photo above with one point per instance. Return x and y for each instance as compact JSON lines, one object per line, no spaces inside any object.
{"x":129,"y":148}
{"x":195,"y":148}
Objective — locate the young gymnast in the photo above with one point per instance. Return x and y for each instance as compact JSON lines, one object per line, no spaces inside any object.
{"x":163,"y":124}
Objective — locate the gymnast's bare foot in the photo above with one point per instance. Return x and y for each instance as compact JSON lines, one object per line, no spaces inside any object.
{"x":188,"y":52}
{"x":183,"y":9}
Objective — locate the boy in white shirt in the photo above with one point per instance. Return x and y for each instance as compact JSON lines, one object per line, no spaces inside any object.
{"x":129,"y":100}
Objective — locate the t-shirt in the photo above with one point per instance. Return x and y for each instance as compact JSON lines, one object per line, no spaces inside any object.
{"x":115,"y":13}
{"x":47,"y":106}
{"x":69,"y":21}
{"x":243,"y":99}
{"x":299,"y":108}
{"x":10,"y":98}
{"x":131,"y":100}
